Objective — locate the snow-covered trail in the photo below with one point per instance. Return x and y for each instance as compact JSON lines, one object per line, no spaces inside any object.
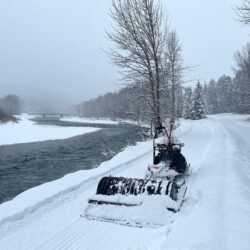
{"x":215,"y":214}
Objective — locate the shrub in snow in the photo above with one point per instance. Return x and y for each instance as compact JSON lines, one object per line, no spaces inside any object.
{"x":4,"y":118}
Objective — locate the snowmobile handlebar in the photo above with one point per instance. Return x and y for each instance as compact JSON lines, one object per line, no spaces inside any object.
{"x":163,"y":145}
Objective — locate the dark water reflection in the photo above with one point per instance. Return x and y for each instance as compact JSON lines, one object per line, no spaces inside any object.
{"x":23,"y":166}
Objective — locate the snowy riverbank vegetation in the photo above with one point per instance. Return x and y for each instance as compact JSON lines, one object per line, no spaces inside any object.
{"x":4,"y":118}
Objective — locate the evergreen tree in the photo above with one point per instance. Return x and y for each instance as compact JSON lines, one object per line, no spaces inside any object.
{"x":224,"y":92}
{"x":212,"y":98}
{"x":11,"y":104}
{"x":241,"y":93}
{"x":187,"y":102}
{"x":205,"y":98}
{"x":198,"y":109}
{"x":235,"y":92}
{"x":242,"y":80}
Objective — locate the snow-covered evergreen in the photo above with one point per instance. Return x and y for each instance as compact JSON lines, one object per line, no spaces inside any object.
{"x":197,"y":110}
{"x":187,"y":102}
{"x":212,"y":97}
{"x":242,"y":93}
{"x":224,"y":94}
{"x":205,"y":91}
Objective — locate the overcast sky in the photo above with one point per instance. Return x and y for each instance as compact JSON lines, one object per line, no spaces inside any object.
{"x":53,"y":48}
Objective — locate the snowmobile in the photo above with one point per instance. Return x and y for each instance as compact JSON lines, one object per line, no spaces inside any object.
{"x":141,"y":202}
{"x":168,"y":162}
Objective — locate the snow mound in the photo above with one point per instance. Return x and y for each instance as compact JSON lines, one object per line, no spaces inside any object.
{"x":27,"y":131}
{"x":88,"y":120}
{"x":144,"y":210}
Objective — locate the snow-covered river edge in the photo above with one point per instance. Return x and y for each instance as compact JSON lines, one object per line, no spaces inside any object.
{"x":26,"y":131}
{"x":26,"y":165}
{"x":214,"y":215}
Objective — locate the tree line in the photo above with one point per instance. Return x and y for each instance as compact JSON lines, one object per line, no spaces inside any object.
{"x":10,"y":105}
{"x":149,"y":55}
{"x":225,"y":95}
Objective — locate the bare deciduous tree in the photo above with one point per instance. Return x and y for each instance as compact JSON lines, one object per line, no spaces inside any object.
{"x":139,"y":36}
{"x":243,"y":12}
{"x":173,"y":71}
{"x":150,"y":60}
{"x":242,"y":79}
{"x":242,"y":59}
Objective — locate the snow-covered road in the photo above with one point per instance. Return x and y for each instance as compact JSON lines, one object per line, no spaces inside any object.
{"x":215,"y":214}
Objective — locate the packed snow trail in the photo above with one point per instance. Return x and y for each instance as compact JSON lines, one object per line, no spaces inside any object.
{"x":221,"y":190}
{"x":215,"y":214}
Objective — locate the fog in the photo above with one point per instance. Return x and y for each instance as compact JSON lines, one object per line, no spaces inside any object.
{"x":210,"y":35}
{"x":51,"y":51}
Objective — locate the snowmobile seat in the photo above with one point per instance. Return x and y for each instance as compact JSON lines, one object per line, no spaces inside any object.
{"x":179,"y":163}
{"x":161,"y":157}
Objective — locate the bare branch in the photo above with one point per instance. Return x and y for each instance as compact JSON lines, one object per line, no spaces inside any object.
{"x":243,"y":12}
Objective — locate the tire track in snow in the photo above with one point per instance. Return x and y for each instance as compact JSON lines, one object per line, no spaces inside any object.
{"x":218,"y":220}
{"x":234,"y":183}
{"x":240,"y":148}
{"x":200,"y":153}
{"x":236,"y":179}
{"x":196,"y":165}
{"x":69,"y":236}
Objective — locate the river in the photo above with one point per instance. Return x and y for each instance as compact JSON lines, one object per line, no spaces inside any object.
{"x":26,"y":165}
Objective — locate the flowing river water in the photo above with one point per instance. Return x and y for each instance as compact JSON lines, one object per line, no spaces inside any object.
{"x":23,"y":166}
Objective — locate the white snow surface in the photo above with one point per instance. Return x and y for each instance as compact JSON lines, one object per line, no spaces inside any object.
{"x":88,"y":120}
{"x":215,"y":214}
{"x":28,"y":131}
{"x":101,"y":120}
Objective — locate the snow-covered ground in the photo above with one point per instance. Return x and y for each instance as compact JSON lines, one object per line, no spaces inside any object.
{"x":88,"y":120}
{"x":100,"y":121}
{"x":27,"y":131}
{"x":215,"y":214}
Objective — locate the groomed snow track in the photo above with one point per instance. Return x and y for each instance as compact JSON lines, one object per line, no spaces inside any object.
{"x":215,"y":214}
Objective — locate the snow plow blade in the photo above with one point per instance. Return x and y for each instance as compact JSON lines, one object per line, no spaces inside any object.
{"x":135,"y":202}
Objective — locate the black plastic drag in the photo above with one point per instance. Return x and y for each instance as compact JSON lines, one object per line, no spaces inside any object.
{"x":132,"y":186}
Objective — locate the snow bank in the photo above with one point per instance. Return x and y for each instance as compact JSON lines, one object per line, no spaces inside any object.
{"x":101,"y":121}
{"x":88,"y":120}
{"x":27,"y":131}
{"x":141,"y":213}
